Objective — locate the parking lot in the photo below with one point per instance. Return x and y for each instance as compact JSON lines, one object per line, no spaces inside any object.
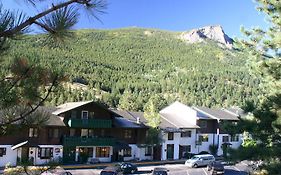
{"x":176,"y":169}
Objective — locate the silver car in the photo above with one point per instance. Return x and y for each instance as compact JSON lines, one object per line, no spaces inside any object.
{"x":200,"y":160}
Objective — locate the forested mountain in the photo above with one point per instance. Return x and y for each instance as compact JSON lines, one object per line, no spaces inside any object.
{"x":127,"y":67}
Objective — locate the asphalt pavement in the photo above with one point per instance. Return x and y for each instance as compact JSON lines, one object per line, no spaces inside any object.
{"x":176,"y":169}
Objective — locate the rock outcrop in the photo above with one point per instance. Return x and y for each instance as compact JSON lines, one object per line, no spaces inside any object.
{"x":214,"y":33}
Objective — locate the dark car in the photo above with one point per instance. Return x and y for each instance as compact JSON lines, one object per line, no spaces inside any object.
{"x":128,"y":167}
{"x":160,"y":171}
{"x":215,"y":167}
{"x":111,"y":170}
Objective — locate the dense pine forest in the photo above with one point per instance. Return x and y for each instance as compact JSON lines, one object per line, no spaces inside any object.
{"x":126,"y":68}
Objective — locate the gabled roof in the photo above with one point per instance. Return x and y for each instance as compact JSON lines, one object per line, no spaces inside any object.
{"x":69,"y":106}
{"x":176,"y":122}
{"x":134,"y":116}
{"x":218,"y":114}
{"x":179,"y":115}
{"x":235,"y":111}
{"x":121,"y":122}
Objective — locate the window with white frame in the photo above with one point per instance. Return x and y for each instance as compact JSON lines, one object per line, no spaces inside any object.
{"x":234,"y":138}
{"x":127,"y":152}
{"x":84,"y":115}
{"x":225,"y":138}
{"x":33,"y":132}
{"x":148,"y":151}
{"x":2,"y":152}
{"x":102,"y":151}
{"x":45,"y":153}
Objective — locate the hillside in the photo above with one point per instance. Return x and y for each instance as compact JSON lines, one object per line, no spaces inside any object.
{"x":126,"y":67}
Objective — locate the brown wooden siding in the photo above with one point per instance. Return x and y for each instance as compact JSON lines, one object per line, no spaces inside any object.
{"x":211,"y":126}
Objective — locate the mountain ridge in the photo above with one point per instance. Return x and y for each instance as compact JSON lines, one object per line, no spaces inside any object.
{"x":133,"y":65}
{"x":212,"y":32}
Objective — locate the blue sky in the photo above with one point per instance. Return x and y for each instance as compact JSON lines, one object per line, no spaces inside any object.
{"x":175,"y":15}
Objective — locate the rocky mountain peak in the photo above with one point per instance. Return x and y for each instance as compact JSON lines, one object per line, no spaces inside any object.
{"x":214,"y":32}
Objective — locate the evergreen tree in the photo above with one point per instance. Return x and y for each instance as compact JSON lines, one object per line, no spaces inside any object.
{"x":21,"y":85}
{"x":265,"y":62}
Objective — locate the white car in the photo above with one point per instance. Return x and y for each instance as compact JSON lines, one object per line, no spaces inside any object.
{"x":200,"y":160}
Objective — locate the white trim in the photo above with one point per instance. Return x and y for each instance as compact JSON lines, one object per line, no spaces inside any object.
{"x":87,"y":115}
{"x":19,"y":145}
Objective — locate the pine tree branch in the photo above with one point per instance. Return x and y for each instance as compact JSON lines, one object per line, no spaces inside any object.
{"x":24,"y":115}
{"x":32,"y":20}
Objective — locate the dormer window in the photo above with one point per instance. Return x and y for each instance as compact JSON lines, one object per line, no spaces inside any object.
{"x":84,"y":115}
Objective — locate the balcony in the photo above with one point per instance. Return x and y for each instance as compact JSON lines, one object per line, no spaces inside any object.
{"x":89,"y":123}
{"x":88,"y":141}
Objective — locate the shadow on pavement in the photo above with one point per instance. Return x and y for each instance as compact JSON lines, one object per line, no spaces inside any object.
{"x":143,"y":172}
{"x":234,"y":172}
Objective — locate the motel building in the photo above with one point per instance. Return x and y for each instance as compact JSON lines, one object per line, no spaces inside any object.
{"x":84,"y":132}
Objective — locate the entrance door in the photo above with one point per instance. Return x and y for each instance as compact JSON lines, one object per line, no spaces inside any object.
{"x":170,"y":151}
{"x":24,"y":154}
{"x":157,"y":152}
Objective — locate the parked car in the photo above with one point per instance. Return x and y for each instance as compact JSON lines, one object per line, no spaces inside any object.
{"x":160,"y":171}
{"x":215,"y":167}
{"x":111,"y":170}
{"x":128,"y":167}
{"x":200,"y":160}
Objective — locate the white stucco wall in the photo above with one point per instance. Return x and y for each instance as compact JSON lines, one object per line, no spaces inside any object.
{"x":10,"y":157}
{"x":138,"y":153}
{"x":56,"y":155}
{"x":234,"y":145}
{"x":177,"y":141}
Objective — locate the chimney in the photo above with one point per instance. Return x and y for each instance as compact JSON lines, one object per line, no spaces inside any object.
{"x":138,"y":120}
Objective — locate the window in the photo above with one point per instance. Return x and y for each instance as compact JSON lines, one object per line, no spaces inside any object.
{"x":33,"y":132}
{"x":102,"y":151}
{"x":148,"y":151}
{"x":186,"y":134}
{"x":72,"y":132}
{"x":225,"y":139}
{"x":53,"y":133}
{"x":234,"y":138}
{"x":84,"y":132}
{"x":170,"y":136}
{"x":127,"y":152}
{"x":73,"y":114}
{"x":2,"y":152}
{"x":203,"y":123}
{"x":127,"y":134}
{"x":84,"y":115}
{"x":45,"y":153}
{"x":203,"y":138}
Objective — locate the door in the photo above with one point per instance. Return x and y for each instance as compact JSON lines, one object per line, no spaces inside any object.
{"x":170,"y":151}
{"x":24,"y":154}
{"x":157,"y":152}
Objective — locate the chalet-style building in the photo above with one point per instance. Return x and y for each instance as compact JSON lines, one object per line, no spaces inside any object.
{"x":192,"y":129}
{"x":80,"y":132}
{"x":77,"y":132}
